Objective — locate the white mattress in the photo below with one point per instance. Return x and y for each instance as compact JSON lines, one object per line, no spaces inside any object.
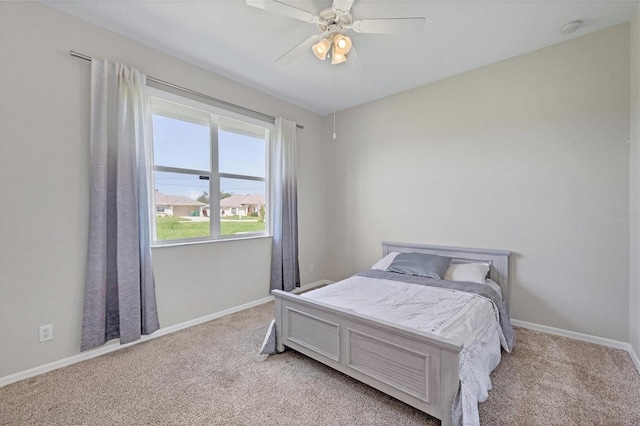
{"x":467,"y":319}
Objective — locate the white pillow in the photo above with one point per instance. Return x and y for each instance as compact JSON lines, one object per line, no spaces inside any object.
{"x":385,"y":261}
{"x":470,"y":272}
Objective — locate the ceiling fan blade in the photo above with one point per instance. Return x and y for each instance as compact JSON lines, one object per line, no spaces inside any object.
{"x":389,"y":26}
{"x":284,"y":9}
{"x":341,"y":6}
{"x":294,"y":52}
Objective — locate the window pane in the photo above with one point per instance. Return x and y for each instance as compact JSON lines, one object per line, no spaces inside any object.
{"x":242,"y":206}
{"x":179,"y":143}
{"x":240,"y":154}
{"x":182,"y":206}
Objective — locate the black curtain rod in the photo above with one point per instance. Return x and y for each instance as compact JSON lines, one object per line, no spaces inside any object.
{"x":193,"y":92}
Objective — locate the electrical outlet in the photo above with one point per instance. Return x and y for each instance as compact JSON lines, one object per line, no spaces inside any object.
{"x":311,"y":267}
{"x":45,"y":332}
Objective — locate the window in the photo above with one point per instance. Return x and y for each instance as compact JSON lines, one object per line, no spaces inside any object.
{"x":204,"y":160}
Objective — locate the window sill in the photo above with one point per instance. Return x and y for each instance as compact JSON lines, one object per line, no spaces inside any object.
{"x":192,"y":243}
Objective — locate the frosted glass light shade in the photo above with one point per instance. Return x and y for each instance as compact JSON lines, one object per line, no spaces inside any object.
{"x":341,"y":44}
{"x":337,"y":58}
{"x":321,"y":49}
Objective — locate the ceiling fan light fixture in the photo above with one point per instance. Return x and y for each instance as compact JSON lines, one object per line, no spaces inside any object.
{"x":332,"y":22}
{"x":341,"y":44}
{"x":338,"y":58}
{"x":321,"y":49}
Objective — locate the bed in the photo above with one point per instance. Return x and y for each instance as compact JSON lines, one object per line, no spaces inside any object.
{"x":418,"y":367}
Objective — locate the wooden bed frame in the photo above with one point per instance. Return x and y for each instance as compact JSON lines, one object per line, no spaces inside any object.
{"x":416,"y":367}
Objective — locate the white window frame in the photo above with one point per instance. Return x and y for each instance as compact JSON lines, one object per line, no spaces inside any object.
{"x":219,"y":119}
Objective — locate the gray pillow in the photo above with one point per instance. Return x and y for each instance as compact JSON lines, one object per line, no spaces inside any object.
{"x":424,"y":265}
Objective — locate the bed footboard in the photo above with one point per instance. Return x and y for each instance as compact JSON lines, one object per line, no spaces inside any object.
{"x":415,"y":367}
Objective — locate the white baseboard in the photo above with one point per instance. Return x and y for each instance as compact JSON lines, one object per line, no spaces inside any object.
{"x":583,"y":337}
{"x":163,"y":331}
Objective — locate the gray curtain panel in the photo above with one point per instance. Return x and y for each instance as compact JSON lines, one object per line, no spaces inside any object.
{"x":285,"y":273}
{"x":120,"y":296}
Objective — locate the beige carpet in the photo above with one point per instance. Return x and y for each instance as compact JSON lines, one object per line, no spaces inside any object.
{"x":212,"y":374}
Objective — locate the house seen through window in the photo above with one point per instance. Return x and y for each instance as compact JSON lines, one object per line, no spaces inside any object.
{"x":209,"y":177}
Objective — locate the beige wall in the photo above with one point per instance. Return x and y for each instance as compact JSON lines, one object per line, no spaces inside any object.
{"x":527,"y":155}
{"x":634,"y":188}
{"x":44,"y":103}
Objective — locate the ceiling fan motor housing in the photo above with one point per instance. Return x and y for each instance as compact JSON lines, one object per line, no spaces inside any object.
{"x":330,"y":21}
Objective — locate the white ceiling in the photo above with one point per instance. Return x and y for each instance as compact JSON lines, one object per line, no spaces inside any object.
{"x":241,"y":42}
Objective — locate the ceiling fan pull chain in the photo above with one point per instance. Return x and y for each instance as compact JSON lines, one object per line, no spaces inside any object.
{"x":333,"y":77}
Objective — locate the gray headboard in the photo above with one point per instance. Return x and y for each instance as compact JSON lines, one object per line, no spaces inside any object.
{"x":499,"y":259}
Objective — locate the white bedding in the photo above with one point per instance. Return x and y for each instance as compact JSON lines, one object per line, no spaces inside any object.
{"x":467,"y":319}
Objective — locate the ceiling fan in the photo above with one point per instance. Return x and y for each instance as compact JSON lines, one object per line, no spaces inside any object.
{"x":333,"y":23}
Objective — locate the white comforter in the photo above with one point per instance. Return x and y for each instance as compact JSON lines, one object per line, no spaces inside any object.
{"x":468,"y":319}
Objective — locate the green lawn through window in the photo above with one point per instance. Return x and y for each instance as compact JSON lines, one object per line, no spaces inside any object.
{"x":175,"y":228}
